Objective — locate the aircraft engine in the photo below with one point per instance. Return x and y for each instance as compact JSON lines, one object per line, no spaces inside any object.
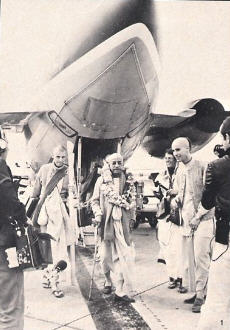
{"x":199,"y":123}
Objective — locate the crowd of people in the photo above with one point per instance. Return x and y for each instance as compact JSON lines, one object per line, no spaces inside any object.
{"x":193,"y":228}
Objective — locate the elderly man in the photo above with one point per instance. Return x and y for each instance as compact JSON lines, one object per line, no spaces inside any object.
{"x":197,"y":223}
{"x":11,"y":279}
{"x":113,"y":204}
{"x":50,"y":214}
{"x":215,"y":314}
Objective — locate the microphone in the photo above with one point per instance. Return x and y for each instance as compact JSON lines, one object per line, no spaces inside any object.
{"x":60,"y":266}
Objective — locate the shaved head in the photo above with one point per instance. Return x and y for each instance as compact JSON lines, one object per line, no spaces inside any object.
{"x":181,"y":149}
{"x":59,"y":156}
{"x":181,"y":141}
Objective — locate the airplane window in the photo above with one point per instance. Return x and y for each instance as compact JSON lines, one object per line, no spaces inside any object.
{"x":61,"y":124}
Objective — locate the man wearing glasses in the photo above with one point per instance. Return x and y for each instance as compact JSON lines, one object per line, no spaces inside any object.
{"x":113,"y":205}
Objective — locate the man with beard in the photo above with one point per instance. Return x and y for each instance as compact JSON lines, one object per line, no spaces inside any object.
{"x":113,"y":204}
{"x":215,"y":314}
{"x":197,"y":228}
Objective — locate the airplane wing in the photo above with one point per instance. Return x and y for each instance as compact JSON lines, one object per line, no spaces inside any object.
{"x":200,"y":124}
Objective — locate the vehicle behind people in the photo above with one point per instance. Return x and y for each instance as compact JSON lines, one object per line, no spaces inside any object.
{"x":147,"y":203}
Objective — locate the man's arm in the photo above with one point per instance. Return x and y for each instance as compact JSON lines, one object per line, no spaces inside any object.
{"x":95,"y":201}
{"x":201,"y":211}
{"x":9,"y":202}
{"x":202,"y":207}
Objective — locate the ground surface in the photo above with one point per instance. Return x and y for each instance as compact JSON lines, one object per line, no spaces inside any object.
{"x":156,"y":306}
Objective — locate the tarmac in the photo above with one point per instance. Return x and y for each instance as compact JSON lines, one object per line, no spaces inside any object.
{"x":156,"y":306}
{"x":43,"y":311}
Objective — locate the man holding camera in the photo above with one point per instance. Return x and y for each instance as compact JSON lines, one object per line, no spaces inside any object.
{"x":167,"y":231}
{"x":215,"y":313}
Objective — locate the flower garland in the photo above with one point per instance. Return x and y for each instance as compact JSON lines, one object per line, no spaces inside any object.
{"x":126,"y":200}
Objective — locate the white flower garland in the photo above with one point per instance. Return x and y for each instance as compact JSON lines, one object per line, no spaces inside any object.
{"x":126,"y":200}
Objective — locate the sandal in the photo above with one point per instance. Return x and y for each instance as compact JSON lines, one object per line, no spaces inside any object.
{"x":172,"y":285}
{"x":182,"y":289}
{"x":107,"y":288}
{"x":58,"y":293}
{"x":46,"y":285}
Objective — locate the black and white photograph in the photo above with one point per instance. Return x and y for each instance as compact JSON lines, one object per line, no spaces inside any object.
{"x":114,"y":165}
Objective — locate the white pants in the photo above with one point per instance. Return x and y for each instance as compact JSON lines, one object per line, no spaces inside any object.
{"x":203,"y":239}
{"x":163,"y":237}
{"x":196,"y":257}
{"x":215,"y":313}
{"x":173,"y":251}
{"x":118,"y":257}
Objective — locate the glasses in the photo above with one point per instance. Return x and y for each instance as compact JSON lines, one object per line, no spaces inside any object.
{"x":118,"y":162}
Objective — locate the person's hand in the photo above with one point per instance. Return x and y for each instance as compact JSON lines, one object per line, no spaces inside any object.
{"x":29,"y":221}
{"x":171,"y":193}
{"x":194,"y":223}
{"x":97,"y":220}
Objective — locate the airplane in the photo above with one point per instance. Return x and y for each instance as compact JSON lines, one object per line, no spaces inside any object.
{"x":108,"y":73}
{"x":200,"y":124}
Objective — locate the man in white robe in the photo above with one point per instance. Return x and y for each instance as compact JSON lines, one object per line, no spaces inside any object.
{"x":114,"y":218}
{"x":197,"y":223}
{"x":51,"y":215}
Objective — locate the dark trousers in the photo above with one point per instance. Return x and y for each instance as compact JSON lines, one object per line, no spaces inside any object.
{"x":11,"y":295}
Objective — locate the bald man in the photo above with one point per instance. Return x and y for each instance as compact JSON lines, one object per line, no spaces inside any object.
{"x":51,"y":185}
{"x":197,"y":228}
{"x":116,"y":248}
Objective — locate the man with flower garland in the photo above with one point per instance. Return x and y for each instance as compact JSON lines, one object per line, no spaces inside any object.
{"x":113,"y":205}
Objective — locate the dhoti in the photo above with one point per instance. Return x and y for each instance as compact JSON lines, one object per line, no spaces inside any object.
{"x":163,"y":237}
{"x":173,"y":251}
{"x":118,"y":257}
